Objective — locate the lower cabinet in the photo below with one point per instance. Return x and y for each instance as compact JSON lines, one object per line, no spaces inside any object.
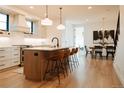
{"x":9,"y":56}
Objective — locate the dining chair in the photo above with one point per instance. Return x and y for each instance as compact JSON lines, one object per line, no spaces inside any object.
{"x":110,"y":50}
{"x":98,"y":50}
{"x":88,"y":51}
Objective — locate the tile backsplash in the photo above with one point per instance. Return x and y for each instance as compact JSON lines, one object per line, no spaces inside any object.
{"x":18,"y":38}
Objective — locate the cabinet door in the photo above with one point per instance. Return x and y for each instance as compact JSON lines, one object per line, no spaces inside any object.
{"x":2,"y":66}
{"x":15,"y":61}
{"x":32,"y":65}
{"x":2,"y":58}
{"x":15,"y":56}
{"x":2,"y":63}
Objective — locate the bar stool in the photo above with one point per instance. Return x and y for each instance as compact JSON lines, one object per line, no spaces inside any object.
{"x":76,"y":61}
{"x":66,"y":60}
{"x":54,"y":64}
{"x":71,"y":59}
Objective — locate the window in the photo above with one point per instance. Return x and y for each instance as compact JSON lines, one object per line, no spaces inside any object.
{"x":30,"y":25}
{"x":4,"y":22}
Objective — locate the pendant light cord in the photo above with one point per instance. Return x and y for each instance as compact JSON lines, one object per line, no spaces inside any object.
{"x":60,"y":15}
{"x":46,"y":11}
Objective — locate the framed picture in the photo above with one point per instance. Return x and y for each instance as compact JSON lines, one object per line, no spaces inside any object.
{"x":106,"y":36}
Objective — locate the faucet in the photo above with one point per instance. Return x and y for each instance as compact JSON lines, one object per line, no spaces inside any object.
{"x":57,"y":41}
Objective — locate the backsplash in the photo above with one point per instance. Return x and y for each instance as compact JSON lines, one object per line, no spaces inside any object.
{"x":35,"y":41}
{"x":18,"y":38}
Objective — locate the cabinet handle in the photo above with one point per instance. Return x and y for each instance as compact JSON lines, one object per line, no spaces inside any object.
{"x":2,"y":56}
{"x":15,"y":54}
{"x":2,"y":65}
{"x":35,"y":54}
{"x":15,"y":61}
{"x":22,"y":53}
{"x":15,"y":49}
{"x":2,"y":50}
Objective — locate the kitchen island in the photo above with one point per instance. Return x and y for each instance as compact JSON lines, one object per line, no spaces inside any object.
{"x":35,"y":59}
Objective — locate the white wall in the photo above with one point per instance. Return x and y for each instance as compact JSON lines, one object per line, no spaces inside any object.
{"x":52,"y":31}
{"x":79,"y":36}
{"x":95,"y":26}
{"x":89,"y":27}
{"x":119,"y":58}
{"x":68,"y":34}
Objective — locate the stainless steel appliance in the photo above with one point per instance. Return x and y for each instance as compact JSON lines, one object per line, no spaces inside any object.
{"x":22,"y":53}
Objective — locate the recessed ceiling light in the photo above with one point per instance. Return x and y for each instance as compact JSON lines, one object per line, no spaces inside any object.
{"x":90,"y":7}
{"x":31,"y":7}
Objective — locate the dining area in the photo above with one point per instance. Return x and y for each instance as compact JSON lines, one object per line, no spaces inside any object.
{"x":103,"y":45}
{"x":101,"y":51}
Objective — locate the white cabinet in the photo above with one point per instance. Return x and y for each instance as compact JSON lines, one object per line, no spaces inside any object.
{"x":9,"y":56}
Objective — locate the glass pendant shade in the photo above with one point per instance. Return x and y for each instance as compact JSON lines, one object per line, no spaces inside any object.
{"x":46,"y":21}
{"x":60,"y":26}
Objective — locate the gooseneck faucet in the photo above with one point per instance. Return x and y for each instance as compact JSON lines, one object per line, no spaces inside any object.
{"x":57,"y":41}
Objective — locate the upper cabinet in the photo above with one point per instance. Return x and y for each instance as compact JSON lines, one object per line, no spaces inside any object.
{"x":20,"y":24}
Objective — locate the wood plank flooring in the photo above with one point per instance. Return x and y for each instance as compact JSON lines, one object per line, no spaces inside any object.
{"x":91,"y":73}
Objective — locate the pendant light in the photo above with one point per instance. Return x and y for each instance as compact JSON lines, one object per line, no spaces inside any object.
{"x":60,"y":26}
{"x":46,"y":21}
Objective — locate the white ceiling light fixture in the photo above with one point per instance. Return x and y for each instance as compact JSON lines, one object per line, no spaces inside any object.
{"x":46,"y":21}
{"x":90,"y":7}
{"x":31,"y":7}
{"x":60,"y":26}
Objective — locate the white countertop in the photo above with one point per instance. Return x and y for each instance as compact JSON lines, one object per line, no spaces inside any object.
{"x":45,"y":48}
{"x":5,"y":46}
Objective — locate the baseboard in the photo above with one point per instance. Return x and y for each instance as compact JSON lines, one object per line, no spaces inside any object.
{"x":119,"y":74}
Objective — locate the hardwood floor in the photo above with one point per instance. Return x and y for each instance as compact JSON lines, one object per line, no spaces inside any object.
{"x":91,"y":73}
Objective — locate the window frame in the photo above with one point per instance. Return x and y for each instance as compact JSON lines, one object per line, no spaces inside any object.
{"x":7,"y":22}
{"x":32,"y":24}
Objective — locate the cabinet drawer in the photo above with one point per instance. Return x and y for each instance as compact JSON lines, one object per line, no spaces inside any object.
{"x":15,"y":62}
{"x":2,"y":65}
{"x":2,"y":56}
{"x":9,"y":56}
{"x":15,"y":55}
{"x":2,"y":60}
{"x":2,"y":49}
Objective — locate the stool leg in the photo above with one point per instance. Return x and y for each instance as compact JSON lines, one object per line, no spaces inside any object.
{"x":62,"y":67}
{"x":73,"y":61}
{"x":66,"y":65}
{"x":46,"y":70}
{"x":58,"y":71}
{"x":68,"y":62}
{"x":77,"y":61}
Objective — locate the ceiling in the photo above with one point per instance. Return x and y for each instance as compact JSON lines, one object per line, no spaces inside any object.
{"x":74,"y":13}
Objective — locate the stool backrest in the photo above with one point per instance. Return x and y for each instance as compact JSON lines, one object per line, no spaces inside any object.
{"x":55,"y":55}
{"x":76,"y":50}
{"x":72,"y":51}
{"x":67,"y":53}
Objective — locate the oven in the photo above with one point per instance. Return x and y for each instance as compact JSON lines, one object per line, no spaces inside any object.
{"x":22,"y":53}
